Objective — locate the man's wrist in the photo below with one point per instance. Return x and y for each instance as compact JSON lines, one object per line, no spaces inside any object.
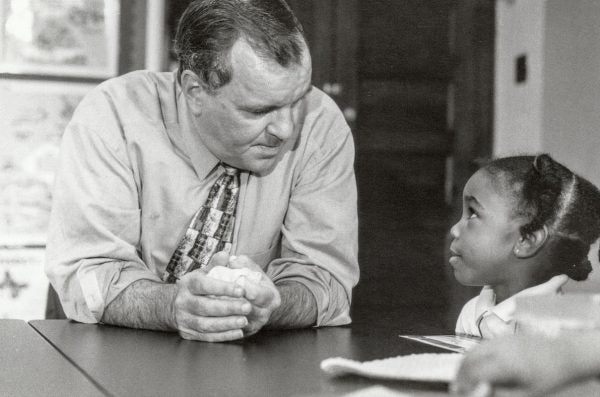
{"x":144,"y":304}
{"x":298,"y":306}
{"x":171,"y":311}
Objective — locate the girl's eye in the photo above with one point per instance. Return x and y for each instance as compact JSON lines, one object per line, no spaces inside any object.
{"x":472,"y":213}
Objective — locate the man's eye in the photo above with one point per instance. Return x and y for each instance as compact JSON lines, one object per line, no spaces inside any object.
{"x":259,"y":112}
{"x":262,"y":111}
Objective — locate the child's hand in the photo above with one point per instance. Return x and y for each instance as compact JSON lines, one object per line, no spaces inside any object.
{"x":527,"y":365}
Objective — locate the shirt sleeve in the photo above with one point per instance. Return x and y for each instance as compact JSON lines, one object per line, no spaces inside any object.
{"x":320,"y":232}
{"x":92,"y":252}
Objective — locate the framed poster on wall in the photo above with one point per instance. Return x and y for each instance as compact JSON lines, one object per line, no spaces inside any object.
{"x":34,"y":116}
{"x":23,"y":284}
{"x":70,"y":38}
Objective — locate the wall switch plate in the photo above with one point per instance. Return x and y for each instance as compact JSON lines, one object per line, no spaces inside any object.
{"x":521,"y":69}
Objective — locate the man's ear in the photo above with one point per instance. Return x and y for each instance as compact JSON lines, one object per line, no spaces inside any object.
{"x":193,"y":89}
{"x":529,"y":245}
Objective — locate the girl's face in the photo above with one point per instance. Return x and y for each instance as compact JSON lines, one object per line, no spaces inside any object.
{"x":484,"y":238}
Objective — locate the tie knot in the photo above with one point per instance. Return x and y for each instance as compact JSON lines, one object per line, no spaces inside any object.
{"x":229,"y":170}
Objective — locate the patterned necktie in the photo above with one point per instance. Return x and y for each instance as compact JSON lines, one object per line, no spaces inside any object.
{"x":211,"y":229}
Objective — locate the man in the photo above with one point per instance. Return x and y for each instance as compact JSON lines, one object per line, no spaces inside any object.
{"x":142,"y":153}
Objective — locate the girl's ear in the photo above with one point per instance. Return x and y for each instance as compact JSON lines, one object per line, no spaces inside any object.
{"x":193,"y":89}
{"x":529,"y":245}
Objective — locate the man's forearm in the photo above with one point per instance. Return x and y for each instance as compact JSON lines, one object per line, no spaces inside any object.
{"x":298,"y":307}
{"x":149,"y":305}
{"x":144,"y":304}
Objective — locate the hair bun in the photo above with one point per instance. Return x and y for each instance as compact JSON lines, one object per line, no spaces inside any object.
{"x":541,"y":162}
{"x":581,"y":271}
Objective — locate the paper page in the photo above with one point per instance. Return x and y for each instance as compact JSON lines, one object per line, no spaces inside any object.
{"x":455,"y":343}
{"x":377,"y":391}
{"x":429,"y":367}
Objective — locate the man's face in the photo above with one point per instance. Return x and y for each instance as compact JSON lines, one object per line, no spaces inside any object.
{"x":484,"y":237}
{"x":251,"y":121}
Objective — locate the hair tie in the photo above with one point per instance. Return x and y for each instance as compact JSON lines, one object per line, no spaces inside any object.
{"x":535,"y":163}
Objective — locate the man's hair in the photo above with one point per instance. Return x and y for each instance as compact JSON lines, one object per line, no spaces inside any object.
{"x":208,"y":29}
{"x":549,"y":194}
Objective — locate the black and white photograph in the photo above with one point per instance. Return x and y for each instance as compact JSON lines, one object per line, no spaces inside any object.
{"x":294,"y":198}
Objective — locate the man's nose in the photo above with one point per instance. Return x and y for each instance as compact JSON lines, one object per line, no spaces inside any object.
{"x":282,"y":123}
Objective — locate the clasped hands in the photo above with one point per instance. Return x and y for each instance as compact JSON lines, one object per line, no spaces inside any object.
{"x":212,"y":310}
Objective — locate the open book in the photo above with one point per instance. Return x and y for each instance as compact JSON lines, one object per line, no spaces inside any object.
{"x":427,"y":367}
{"x":431,"y":367}
{"x":455,"y":343}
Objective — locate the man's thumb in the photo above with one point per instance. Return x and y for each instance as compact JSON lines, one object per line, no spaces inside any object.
{"x":220,"y":258}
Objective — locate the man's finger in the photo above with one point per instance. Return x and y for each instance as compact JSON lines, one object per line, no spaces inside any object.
{"x":241,"y":261}
{"x":259,"y":294}
{"x":213,"y":336}
{"x":199,"y":284}
{"x":220,"y":258}
{"x":211,"y":324}
{"x":215,"y":306}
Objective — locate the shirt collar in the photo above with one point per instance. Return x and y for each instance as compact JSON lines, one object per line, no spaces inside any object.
{"x":203,"y":161}
{"x":487,"y":300}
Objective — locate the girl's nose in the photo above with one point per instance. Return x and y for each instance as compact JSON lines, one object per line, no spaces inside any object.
{"x":454,"y":230}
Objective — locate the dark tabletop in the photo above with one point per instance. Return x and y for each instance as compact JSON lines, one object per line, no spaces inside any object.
{"x":127,"y":362}
{"x":30,"y":366}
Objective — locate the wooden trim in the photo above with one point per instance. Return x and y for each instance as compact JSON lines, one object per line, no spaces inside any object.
{"x":473,"y":111}
{"x":347,"y":38}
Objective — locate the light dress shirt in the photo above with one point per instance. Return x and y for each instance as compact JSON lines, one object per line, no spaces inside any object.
{"x":134,"y":171}
{"x":478,"y":308}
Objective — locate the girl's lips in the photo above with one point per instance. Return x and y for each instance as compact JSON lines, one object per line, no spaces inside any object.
{"x":454,"y":259}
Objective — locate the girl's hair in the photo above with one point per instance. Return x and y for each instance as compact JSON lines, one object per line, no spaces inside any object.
{"x":551,"y":195}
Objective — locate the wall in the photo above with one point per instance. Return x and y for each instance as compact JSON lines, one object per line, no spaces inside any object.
{"x":571,"y":121}
{"x":34,"y":110}
{"x":518,"y":108}
{"x":555,"y":109}
{"x":571,"y":96}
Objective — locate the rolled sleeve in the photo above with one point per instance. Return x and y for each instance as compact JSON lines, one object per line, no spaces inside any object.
{"x":92,"y":252}
{"x":333,"y":302}
{"x":320,"y":232}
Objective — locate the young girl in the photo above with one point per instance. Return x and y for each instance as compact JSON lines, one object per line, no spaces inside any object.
{"x":528,"y":223}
